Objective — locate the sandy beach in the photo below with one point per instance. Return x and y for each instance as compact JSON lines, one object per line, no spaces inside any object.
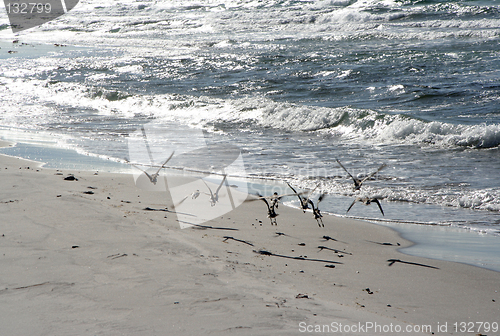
{"x":98,"y":256}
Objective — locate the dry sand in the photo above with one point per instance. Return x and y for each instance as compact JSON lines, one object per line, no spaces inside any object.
{"x":77,"y":263}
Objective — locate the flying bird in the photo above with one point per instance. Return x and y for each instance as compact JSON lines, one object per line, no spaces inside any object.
{"x":194,"y":195}
{"x":358,"y":182}
{"x":275,"y":199}
{"x":153,"y":178}
{"x":367,"y":201}
{"x":304,"y":201}
{"x":316,"y":212}
{"x":214,"y":197}
{"x":271,"y":212}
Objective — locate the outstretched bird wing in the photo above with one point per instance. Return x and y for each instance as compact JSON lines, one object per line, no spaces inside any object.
{"x":311,"y":192}
{"x":265,"y":201}
{"x":320,"y":198}
{"x":372,"y":174}
{"x":220,"y":185}
{"x":356,"y":181}
{"x":151,"y":178}
{"x":295,"y":191}
{"x":271,"y":197}
{"x":303,"y":202}
{"x":157,"y":173}
{"x":211,"y":194}
{"x":180,"y":202}
{"x":350,"y":206}
{"x":379,"y":206}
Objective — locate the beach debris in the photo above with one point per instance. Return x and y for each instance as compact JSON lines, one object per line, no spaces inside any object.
{"x":89,"y":192}
{"x":368,"y":290}
{"x":301,"y":244}
{"x":70,"y":178}
{"x":10,"y":201}
{"x":75,"y":246}
{"x":392,"y":261}
{"x":302,"y":296}
{"x":358,"y":182}
{"x":367,"y":201}
{"x":330,"y":266}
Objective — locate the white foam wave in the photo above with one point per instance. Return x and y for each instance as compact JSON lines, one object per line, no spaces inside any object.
{"x":350,"y":123}
{"x":165,"y":23}
{"x":485,"y":199}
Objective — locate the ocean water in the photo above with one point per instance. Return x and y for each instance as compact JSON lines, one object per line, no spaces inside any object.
{"x":295,"y":85}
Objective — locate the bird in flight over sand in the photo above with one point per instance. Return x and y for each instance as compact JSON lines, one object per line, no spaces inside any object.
{"x":193,"y":195}
{"x":214,"y":197}
{"x":358,"y":182}
{"x":271,"y":212}
{"x":366,"y":201}
{"x":275,"y":200}
{"x":304,"y":204}
{"x":316,"y":212}
{"x":153,"y":178}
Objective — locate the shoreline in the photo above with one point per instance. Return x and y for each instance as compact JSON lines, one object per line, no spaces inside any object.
{"x":449,"y":248}
{"x":86,"y":257}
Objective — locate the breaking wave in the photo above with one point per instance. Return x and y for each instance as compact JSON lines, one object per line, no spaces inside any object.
{"x":351,"y":124}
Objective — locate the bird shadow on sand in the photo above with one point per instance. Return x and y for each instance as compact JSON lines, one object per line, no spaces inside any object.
{"x":333,"y":250}
{"x":393,"y":261}
{"x":384,"y":244}
{"x":226,"y":238}
{"x":204,"y":227}
{"x":264,"y":252}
